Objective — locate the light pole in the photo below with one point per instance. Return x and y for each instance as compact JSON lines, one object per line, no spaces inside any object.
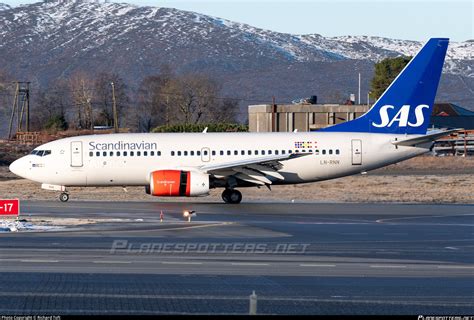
{"x":359,"y":88}
{"x":114,"y":106}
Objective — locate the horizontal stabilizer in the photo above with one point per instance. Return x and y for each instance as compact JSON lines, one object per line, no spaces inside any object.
{"x":423,"y":139}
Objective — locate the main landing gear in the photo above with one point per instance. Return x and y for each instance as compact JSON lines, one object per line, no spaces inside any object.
{"x":231,"y":196}
{"x":64,"y":197}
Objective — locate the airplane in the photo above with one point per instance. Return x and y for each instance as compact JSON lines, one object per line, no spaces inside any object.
{"x":190,"y":164}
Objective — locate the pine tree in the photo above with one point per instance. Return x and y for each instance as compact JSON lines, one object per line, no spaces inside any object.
{"x":385,"y":72}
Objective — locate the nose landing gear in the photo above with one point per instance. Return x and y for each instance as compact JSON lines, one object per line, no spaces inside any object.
{"x":64,"y":197}
{"x":231,"y":196}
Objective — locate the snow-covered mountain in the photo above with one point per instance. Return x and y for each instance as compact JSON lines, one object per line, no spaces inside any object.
{"x":459,"y":58}
{"x":4,"y":6}
{"x":47,"y":40}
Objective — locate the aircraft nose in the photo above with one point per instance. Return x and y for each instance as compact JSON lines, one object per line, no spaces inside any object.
{"x":17,"y":167}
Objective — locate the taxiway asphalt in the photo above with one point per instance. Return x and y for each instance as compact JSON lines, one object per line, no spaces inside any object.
{"x":300,"y":258}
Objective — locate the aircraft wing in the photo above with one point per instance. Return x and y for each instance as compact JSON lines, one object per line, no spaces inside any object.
{"x":423,"y":139}
{"x":259,"y":171}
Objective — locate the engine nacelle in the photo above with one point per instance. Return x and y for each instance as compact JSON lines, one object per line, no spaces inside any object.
{"x":177,"y":183}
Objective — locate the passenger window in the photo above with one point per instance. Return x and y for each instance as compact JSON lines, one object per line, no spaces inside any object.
{"x":205,"y":152}
{"x":221,"y":152}
{"x":256,"y":152}
{"x":337,"y":151}
{"x":242,"y":152}
{"x":236,"y":153}
{"x":125,"y":153}
{"x":290,"y":152}
{"x":213,"y":152}
{"x":330,"y":151}
{"x":138,"y":153}
{"x":324,"y":151}
{"x":269,"y":151}
{"x":276,"y":152}
{"x":158,"y":153}
{"x":132,"y":153}
{"x":104,"y":153}
{"x":91,"y":154}
{"x":283,"y":151}
{"x":111,"y":153}
{"x":172,"y":153}
{"x":263,"y":152}
{"x":97,"y":154}
{"x":249,"y":152}
{"x":152,"y":153}
{"x":145,"y":153}
{"x":179,"y":153}
{"x":185,"y":153}
{"x":228,"y":152}
{"x":198,"y":153}
{"x":118,"y":153}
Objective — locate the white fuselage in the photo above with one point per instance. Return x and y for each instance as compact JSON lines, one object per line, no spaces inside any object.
{"x":100,"y":160}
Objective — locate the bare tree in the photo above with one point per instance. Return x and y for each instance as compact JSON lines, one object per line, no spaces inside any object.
{"x":227,"y":111}
{"x":167,"y":99}
{"x":82,"y":95}
{"x":153,"y":103}
{"x":204,"y":91}
{"x":6,"y":96}
{"x":52,"y":103}
{"x":192,"y":99}
{"x":103,"y":98}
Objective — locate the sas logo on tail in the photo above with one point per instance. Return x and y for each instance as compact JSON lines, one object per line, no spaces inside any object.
{"x":401,"y":117}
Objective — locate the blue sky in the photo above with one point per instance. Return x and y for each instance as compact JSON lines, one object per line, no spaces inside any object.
{"x":402,"y":19}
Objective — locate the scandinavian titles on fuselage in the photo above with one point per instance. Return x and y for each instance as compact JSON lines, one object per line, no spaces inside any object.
{"x":121,"y":145}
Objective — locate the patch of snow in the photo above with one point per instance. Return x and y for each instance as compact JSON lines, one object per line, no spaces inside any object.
{"x":153,"y":12}
{"x":4,"y":6}
{"x":123,"y":11}
{"x":17,"y":226}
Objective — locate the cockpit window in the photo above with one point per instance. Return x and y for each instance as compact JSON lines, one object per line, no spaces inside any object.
{"x":41,"y":153}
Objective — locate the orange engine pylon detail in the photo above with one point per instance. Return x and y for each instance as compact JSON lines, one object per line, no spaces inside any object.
{"x":171,"y":183}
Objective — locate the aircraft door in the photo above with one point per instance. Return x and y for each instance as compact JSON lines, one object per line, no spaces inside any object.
{"x":356,"y":152}
{"x":205,"y":154}
{"x":76,"y":154}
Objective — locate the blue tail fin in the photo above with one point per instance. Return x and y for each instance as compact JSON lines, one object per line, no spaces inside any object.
{"x":405,"y":107}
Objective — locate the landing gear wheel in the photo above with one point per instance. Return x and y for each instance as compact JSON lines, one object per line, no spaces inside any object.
{"x":226,"y":195}
{"x":64,"y":197}
{"x":231,"y":196}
